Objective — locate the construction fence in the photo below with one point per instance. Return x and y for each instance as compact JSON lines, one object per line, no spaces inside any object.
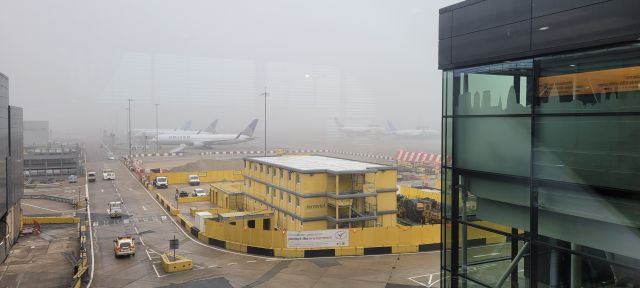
{"x":415,"y":193}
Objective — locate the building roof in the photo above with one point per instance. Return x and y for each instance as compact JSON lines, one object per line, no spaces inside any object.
{"x":319,"y":164}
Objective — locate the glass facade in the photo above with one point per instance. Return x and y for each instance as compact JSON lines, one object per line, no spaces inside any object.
{"x":542,"y":172}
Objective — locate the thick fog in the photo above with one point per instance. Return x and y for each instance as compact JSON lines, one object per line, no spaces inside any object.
{"x":75,"y":63}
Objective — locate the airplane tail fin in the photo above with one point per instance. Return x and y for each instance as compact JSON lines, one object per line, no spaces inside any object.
{"x":212,"y":127}
{"x":186,"y":126}
{"x":250,"y":129}
{"x":390,"y":126}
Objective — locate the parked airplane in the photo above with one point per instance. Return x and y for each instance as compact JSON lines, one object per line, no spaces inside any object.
{"x":211,"y":129}
{"x":358,"y":129}
{"x":206,"y":139}
{"x":391,"y":129}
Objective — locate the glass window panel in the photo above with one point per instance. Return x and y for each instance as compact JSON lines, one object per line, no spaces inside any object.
{"x":592,"y":81}
{"x":495,"y":202}
{"x":500,"y":145}
{"x":447,"y":189}
{"x":593,"y":150}
{"x":448,"y":141}
{"x":447,"y":93}
{"x":485,"y":257}
{"x":494,"y":89}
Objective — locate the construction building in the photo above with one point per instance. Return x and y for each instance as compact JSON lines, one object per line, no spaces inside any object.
{"x":52,"y":161}
{"x":11,"y":178}
{"x":317,"y":192}
{"x":541,"y":121}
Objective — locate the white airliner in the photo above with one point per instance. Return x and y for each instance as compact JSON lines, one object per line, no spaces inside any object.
{"x":391,"y":129}
{"x":358,"y":129}
{"x":211,"y":129}
{"x":206,"y":139}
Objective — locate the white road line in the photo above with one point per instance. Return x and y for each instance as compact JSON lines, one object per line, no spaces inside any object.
{"x":52,"y":210}
{"x":101,"y":190}
{"x":144,"y":208}
{"x":212,"y":266}
{"x":86,"y":189}
{"x":141,"y":241}
{"x":232,"y":263}
{"x":252,"y":261}
{"x":136,"y":228}
{"x":155,"y":269}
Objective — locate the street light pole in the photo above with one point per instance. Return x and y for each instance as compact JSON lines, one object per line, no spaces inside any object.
{"x":265,"y":119}
{"x":129,"y":124}
{"x":157,"y":128}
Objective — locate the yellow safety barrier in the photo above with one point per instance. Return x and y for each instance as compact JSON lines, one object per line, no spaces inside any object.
{"x":205,"y":176}
{"x":167,"y":205}
{"x":213,"y":211}
{"x":50,"y":220}
{"x":179,"y":264}
{"x":414,"y":193}
{"x":193,"y":199}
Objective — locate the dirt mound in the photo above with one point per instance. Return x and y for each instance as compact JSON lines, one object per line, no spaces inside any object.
{"x":210,"y":164}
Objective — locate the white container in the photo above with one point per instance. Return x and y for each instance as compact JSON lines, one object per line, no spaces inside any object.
{"x":200,"y":216}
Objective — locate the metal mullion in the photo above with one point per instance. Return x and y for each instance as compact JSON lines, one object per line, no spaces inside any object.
{"x":533,"y":191}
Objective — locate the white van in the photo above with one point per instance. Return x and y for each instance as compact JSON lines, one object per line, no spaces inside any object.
{"x":114,"y":209}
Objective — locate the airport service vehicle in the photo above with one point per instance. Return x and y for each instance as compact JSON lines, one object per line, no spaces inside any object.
{"x":114,"y":209}
{"x":108,"y":174}
{"x":182,"y":194}
{"x":160,"y":182}
{"x":194,"y":180}
{"x":206,"y":140}
{"x":199,"y":192}
{"x":72,"y":179}
{"x":124,"y":246}
{"x":110,"y":156}
{"x":91,"y":176}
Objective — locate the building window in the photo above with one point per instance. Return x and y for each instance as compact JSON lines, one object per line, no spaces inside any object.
{"x":260,"y":168}
{"x":266,"y":224}
{"x":289,"y":175}
{"x":245,"y":164}
{"x":266,"y":190}
{"x":251,"y":224}
{"x":273,"y":193}
{"x":281,"y":195}
{"x":268,"y":170}
{"x":281,"y":174}
{"x":297,"y":201}
{"x":298,"y":178}
{"x":289,"y":197}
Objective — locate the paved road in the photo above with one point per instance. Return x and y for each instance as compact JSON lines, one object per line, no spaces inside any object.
{"x":214,"y":267}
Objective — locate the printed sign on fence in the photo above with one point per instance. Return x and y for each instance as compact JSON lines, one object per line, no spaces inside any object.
{"x":318,"y":238}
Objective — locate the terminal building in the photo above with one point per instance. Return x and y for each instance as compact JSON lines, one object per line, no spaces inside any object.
{"x":317,"y":192}
{"x":53,"y":161}
{"x":541,"y":122}
{"x":11,"y":175}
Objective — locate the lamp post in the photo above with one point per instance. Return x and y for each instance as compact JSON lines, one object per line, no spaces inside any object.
{"x":265,"y":94}
{"x":129,"y":124}
{"x":157,"y":127}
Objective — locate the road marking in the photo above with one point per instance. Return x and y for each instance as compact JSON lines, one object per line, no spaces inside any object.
{"x":126,"y":221}
{"x":148,"y":255}
{"x":101,"y":190}
{"x":252,"y":261}
{"x":232,"y":263}
{"x":156,"y":269}
{"x":212,"y":266}
{"x":52,"y":210}
{"x":136,"y":228}
{"x":144,"y":208}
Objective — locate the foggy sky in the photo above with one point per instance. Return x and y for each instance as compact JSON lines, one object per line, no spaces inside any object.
{"x":75,"y":63}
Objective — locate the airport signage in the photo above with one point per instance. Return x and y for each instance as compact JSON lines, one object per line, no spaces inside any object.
{"x":318,"y":238}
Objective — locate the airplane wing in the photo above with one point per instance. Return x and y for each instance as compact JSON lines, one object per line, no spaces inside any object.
{"x":178,"y":149}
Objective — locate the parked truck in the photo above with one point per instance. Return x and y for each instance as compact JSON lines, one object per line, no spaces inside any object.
{"x":161,"y":182}
{"x":91,"y":176}
{"x":108,"y":174}
{"x":114,"y":209}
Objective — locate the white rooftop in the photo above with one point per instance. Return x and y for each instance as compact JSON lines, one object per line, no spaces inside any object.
{"x":308,"y":163}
